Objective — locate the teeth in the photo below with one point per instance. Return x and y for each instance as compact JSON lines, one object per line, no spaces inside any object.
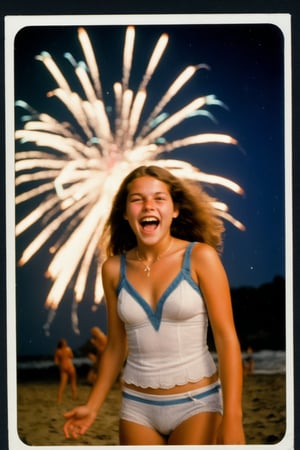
{"x":149,"y":219}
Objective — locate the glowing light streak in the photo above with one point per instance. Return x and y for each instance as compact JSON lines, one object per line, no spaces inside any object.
{"x":98,"y":287}
{"x":65,"y":145}
{"x":85,"y":83}
{"x":215,"y":179}
{"x":72,"y":102}
{"x":175,"y":87}
{"x":136,"y":112}
{"x":34,"y":216}
{"x":77,"y":168}
{"x":231,"y":219}
{"x":66,"y":260}
{"x":174,"y":119}
{"x":91,"y":60}
{"x":27,"y":164}
{"x":128,"y":54}
{"x":204,"y":138}
{"x":45,"y":58}
{"x":103,"y":121}
{"x":81,"y":280}
{"x":33,"y":193}
{"x":154,"y":60}
{"x":22,"y":179}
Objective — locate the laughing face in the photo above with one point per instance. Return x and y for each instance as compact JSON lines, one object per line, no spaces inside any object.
{"x":149,"y":209}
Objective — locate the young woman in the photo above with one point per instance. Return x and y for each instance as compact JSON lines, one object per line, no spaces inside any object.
{"x":163,"y":280}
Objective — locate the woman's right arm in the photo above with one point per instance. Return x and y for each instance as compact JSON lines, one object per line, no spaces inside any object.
{"x":80,"y":419}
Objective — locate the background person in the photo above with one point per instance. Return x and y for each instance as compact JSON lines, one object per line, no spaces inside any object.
{"x":63,"y":358}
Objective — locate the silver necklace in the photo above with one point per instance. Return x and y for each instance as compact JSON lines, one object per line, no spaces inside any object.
{"x":147,"y":266}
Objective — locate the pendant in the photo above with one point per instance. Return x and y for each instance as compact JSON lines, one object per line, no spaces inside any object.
{"x":147,"y":270}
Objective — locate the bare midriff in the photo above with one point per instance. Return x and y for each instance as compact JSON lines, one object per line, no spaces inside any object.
{"x":178,"y":389}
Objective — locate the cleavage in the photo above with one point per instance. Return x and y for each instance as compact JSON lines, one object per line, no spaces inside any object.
{"x":149,"y":288}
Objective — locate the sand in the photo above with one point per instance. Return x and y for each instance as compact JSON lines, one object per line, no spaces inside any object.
{"x":40,"y":419}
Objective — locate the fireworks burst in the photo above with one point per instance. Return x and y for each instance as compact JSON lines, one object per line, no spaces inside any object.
{"x":76,"y":173}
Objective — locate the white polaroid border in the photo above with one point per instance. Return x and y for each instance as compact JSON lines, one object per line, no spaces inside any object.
{"x":13,"y":24}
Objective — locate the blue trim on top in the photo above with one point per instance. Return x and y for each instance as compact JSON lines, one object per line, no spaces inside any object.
{"x":155,"y":315}
{"x":177,"y":401}
{"x":186,"y":267}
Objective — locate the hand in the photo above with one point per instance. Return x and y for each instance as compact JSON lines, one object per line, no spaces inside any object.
{"x":231,"y":432}
{"x":78,"y":420}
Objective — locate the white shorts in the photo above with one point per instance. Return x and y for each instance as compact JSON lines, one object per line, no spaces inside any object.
{"x":165,"y":412}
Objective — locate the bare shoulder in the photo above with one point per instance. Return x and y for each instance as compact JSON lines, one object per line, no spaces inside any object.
{"x":111,"y":264}
{"x":204,"y":253}
{"x":205,"y":262}
{"x":111,"y":270}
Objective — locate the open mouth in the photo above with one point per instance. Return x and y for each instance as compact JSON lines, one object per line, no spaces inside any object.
{"x":149,"y":223}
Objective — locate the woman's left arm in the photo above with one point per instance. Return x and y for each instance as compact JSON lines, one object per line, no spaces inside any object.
{"x":215,"y":289}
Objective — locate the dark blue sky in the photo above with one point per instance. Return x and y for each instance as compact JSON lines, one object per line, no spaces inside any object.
{"x":246,"y":73}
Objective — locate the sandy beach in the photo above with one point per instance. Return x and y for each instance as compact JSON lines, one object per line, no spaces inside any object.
{"x":40,"y":419}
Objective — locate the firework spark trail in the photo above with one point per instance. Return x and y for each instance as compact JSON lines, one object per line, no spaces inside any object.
{"x":154,"y":60}
{"x":91,"y":60}
{"x":180,"y":81}
{"x":127,"y":55}
{"x":76,"y":174}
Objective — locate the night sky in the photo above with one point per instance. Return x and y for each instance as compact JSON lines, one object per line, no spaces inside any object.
{"x":246,"y":73}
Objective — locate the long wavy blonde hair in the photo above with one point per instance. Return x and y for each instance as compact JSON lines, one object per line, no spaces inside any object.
{"x":197,"y":219}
